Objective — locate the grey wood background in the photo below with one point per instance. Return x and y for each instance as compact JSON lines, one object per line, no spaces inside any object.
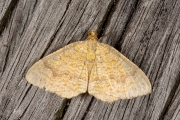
{"x":145,"y":31}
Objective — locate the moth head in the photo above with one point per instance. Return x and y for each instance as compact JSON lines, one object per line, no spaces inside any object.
{"x":92,"y":33}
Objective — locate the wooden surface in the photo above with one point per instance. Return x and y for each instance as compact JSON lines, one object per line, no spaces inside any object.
{"x":145,"y":31}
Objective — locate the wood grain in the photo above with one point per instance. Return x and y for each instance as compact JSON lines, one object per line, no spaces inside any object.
{"x":145,"y":31}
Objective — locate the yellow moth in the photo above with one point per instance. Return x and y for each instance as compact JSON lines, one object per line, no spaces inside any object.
{"x":89,"y":66}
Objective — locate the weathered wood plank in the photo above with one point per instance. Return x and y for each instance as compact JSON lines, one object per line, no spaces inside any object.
{"x":173,"y":109}
{"x":4,"y":4}
{"x":147,"y":32}
{"x":10,"y":39}
{"x":6,"y":11}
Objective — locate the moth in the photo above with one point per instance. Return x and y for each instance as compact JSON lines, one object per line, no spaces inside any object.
{"x":89,"y":66}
